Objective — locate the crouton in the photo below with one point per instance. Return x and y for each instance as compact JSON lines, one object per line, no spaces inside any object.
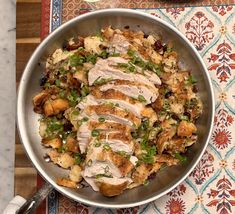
{"x":75,"y":173}
{"x":186,"y":129}
{"x":55,"y":143}
{"x":66,"y":183}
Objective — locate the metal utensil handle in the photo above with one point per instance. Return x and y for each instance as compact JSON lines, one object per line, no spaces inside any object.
{"x":31,"y":204}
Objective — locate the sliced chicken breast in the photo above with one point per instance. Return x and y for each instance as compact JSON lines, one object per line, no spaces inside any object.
{"x":108,"y":69}
{"x":118,"y":44}
{"x":145,"y":93}
{"x":118,"y":99}
{"x":113,"y":113}
{"x":103,"y":154}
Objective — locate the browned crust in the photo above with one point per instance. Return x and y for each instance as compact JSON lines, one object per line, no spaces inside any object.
{"x":111,"y":190}
{"x":126,"y":138}
{"x":112,"y":94}
{"x":107,"y":109}
{"x":121,"y":162}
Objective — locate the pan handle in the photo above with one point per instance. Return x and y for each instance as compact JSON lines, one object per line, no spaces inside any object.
{"x":29,"y":207}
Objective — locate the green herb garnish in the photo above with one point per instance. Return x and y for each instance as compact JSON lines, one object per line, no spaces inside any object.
{"x":57,"y":82}
{"x":91,"y":58}
{"x":184,"y":117}
{"x":89,"y":162}
{"x":76,"y":60}
{"x":190,"y":81}
{"x":101,"y":81}
{"x":180,"y":157}
{"x":95,"y":133}
{"x":62,"y":149}
{"x":78,"y":158}
{"x":142,"y":99}
{"x":73,"y":98}
{"x":146,"y":183}
{"x":97,"y":144}
{"x":84,"y":91}
{"x":106,"y":147}
{"x":104,"y":54}
{"x":54,"y":126}
{"x":101,"y":119}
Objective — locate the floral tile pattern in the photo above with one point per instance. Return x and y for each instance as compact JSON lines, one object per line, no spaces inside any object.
{"x":210,"y":188}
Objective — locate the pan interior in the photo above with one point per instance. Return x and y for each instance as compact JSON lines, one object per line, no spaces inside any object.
{"x":90,"y":25}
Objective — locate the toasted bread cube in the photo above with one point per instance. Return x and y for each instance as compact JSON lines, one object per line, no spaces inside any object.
{"x":59,"y":105}
{"x":75,"y":173}
{"x":48,"y":109}
{"x":66,"y":183}
{"x":186,"y":129}
{"x":55,"y":143}
{"x":65,"y":161}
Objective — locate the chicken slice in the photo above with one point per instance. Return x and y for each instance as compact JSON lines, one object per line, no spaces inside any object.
{"x":108,"y":186}
{"x":108,"y":69}
{"x":118,"y":44}
{"x":112,"y":186}
{"x":104,"y":154}
{"x":113,"y":113}
{"x":143,"y":92}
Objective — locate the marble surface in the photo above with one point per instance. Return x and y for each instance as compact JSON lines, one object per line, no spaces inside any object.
{"x":7,"y":100}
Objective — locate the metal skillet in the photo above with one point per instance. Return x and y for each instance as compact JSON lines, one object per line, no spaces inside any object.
{"x":27,"y":120}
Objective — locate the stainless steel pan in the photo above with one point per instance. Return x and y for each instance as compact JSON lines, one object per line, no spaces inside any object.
{"x":89,"y":24}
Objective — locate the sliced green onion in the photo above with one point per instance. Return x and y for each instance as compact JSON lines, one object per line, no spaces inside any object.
{"x":180,"y":157}
{"x":146,"y":183}
{"x":57,"y":82}
{"x":89,"y":162}
{"x":95,"y":133}
{"x":97,"y":144}
{"x":101,"y":119}
{"x":78,"y":158}
{"x":141,"y":98}
{"x":85,"y":119}
{"x":107,"y":147}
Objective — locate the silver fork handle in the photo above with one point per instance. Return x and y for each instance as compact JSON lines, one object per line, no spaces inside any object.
{"x":30,"y":206}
